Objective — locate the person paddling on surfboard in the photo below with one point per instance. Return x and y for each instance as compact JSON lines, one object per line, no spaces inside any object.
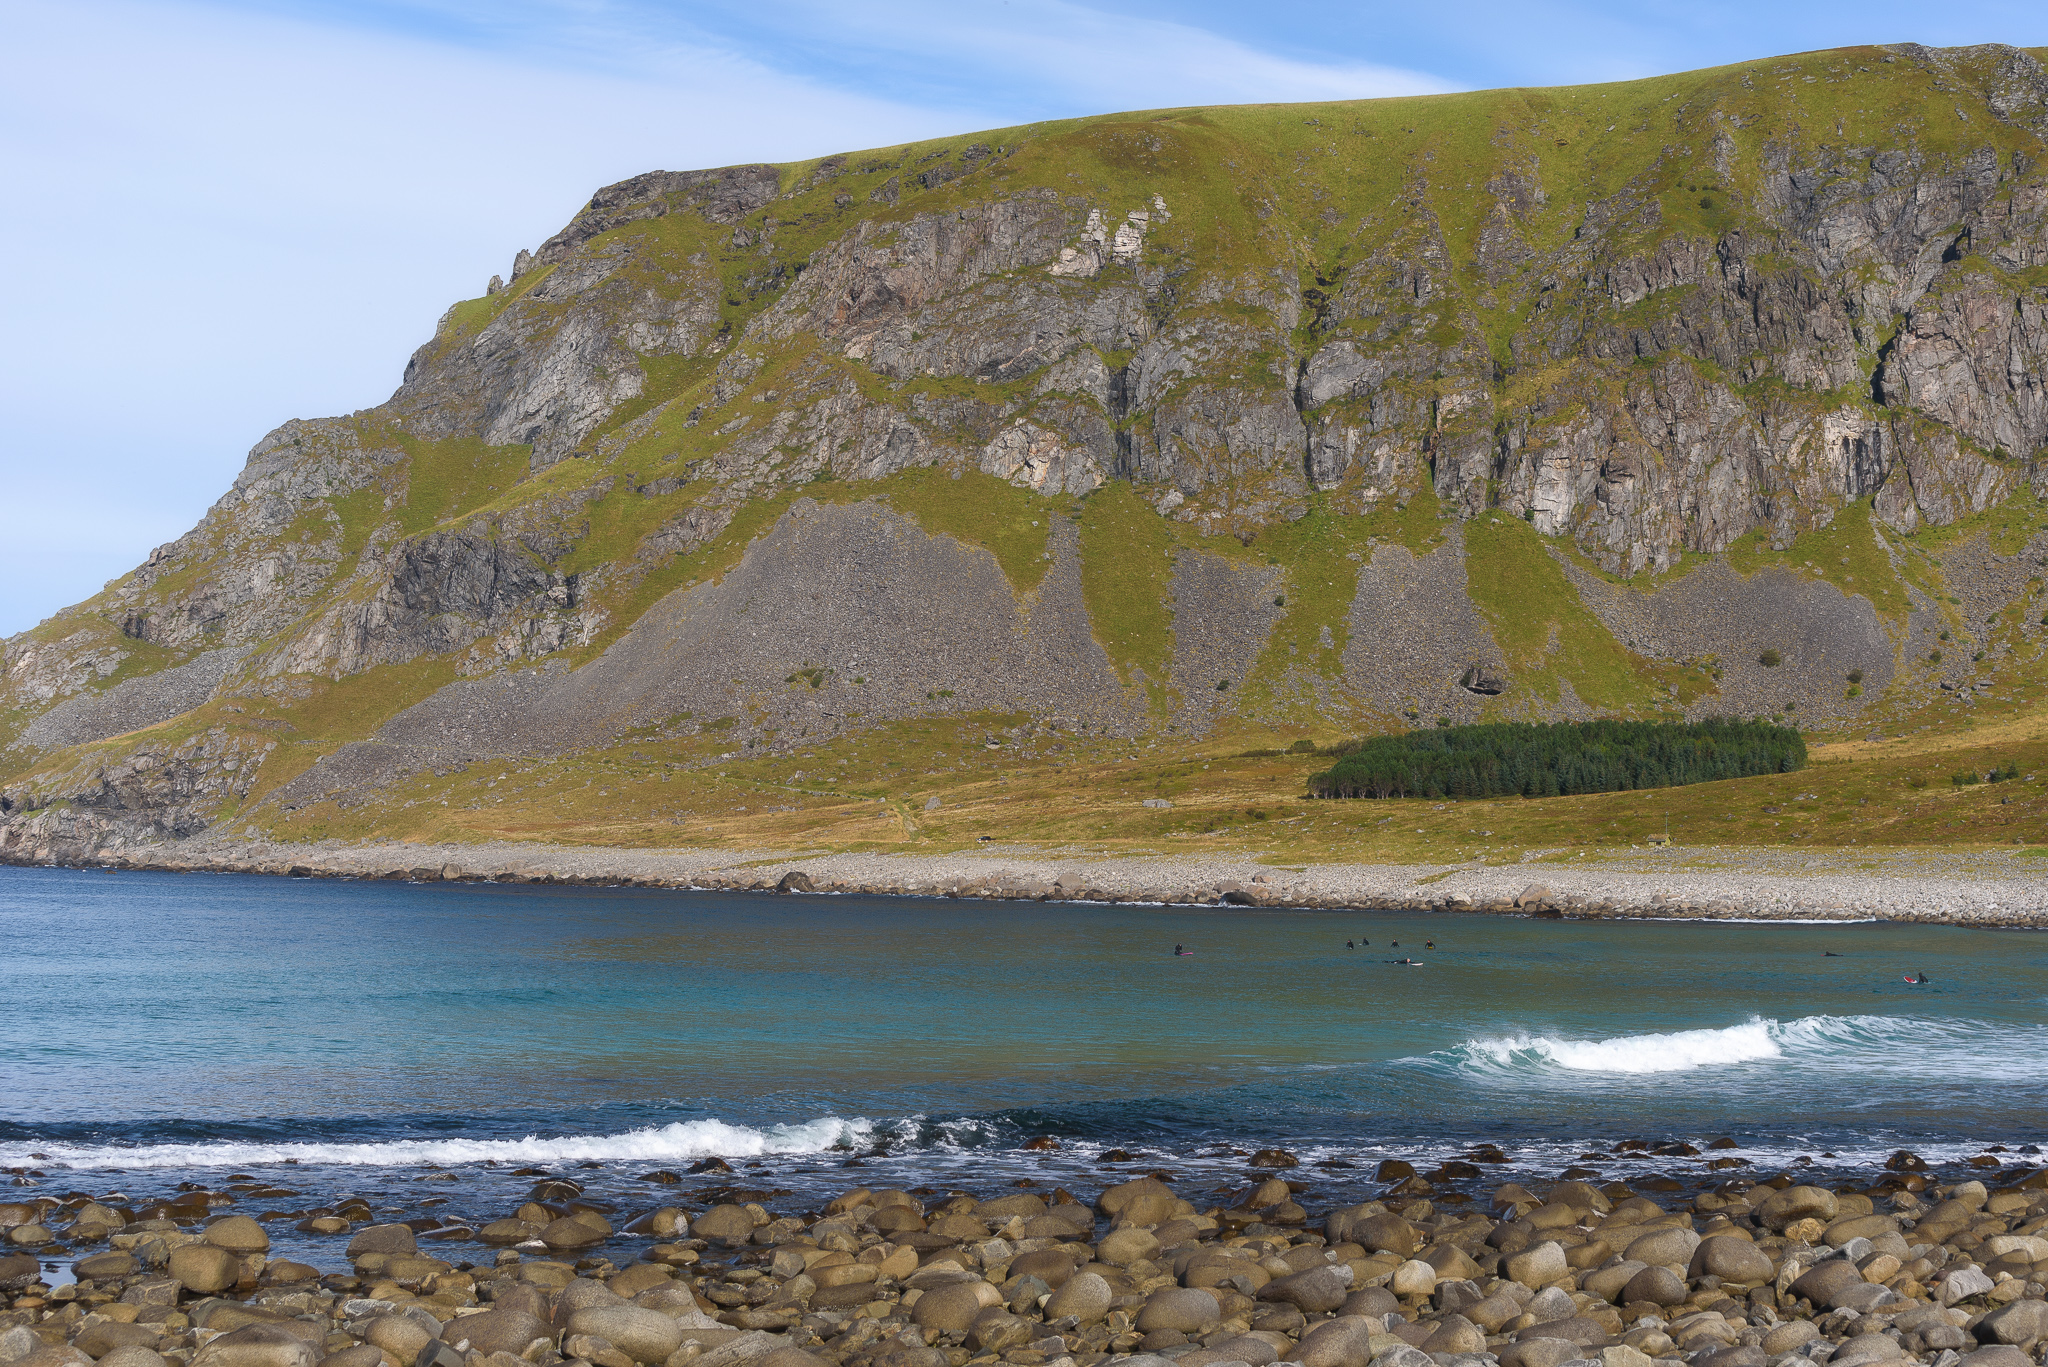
{"x":1183,"y":952}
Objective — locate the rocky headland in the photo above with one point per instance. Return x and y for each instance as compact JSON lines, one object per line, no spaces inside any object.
{"x":1716,"y":393}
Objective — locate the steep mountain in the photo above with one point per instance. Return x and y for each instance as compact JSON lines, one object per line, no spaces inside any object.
{"x":1715,"y":393}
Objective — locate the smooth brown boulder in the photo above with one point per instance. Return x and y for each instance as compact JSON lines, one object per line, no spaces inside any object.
{"x":402,"y":1336}
{"x":1663,"y":1247}
{"x":1050,"y":1265}
{"x":1657,"y":1285}
{"x":1493,"y":1312}
{"x":98,"y":1340}
{"x":1537,"y":1266}
{"x":1996,"y":1355}
{"x":1824,"y":1280}
{"x":1383,"y":1233}
{"x":724,"y":1224}
{"x":238,"y":1234}
{"x":1188,"y":1310}
{"x":1733,"y":1260}
{"x":1784,"y":1338}
{"x":1342,"y":1342}
{"x":574,"y":1232}
{"x":134,"y":1356}
{"x":1122,"y":1247}
{"x":393,"y":1239}
{"x":1455,"y":1334}
{"x":952,"y":1309}
{"x":362,"y":1355}
{"x":1860,"y":1227}
{"x":644,"y":1335}
{"x":507,"y":1232}
{"x":1369,"y":1300}
{"x":996,"y":1329}
{"x":1084,"y":1295}
{"x":1316,"y":1291}
{"x":1798,"y":1203}
{"x":640,"y":1277}
{"x":1023,"y":1205}
{"x":1577,"y":1328}
{"x":257,"y":1345}
{"x":1540,"y":1351}
{"x":1115,"y":1200}
{"x":501,"y":1329}
{"x":1610,"y":1283}
{"x":789,"y":1357}
{"x":204,"y":1269}
{"x":105,"y":1266}
{"x":2022,"y":1322}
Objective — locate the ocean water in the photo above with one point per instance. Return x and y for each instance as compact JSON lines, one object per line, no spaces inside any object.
{"x":339,"y":1038}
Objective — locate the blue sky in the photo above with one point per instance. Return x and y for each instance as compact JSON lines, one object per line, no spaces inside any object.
{"x":220,"y":216}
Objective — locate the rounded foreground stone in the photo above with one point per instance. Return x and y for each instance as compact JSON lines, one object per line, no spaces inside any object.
{"x":494,"y":1331}
{"x":951,"y":1309}
{"x":1539,"y":1352}
{"x":1784,"y":1338}
{"x":1342,"y":1342}
{"x":399,"y":1335}
{"x":1416,"y":1278}
{"x":571,"y":1233}
{"x":1538,"y":1266}
{"x":396,"y":1239}
{"x":1798,"y":1203}
{"x":1084,"y":1295}
{"x":1731,"y":1259}
{"x":98,"y":1340}
{"x":1189,"y":1311}
{"x":361,"y":1355}
{"x":134,"y":1357}
{"x":204,"y":1269}
{"x":1663,"y":1248}
{"x":1657,"y":1285}
{"x":1455,"y":1334}
{"x":238,"y":1234}
{"x":643,"y":1335}
{"x":105,"y":1266}
{"x":1049,"y":1265}
{"x":1122,"y":1247}
{"x":727,"y":1223}
{"x":257,"y":1345}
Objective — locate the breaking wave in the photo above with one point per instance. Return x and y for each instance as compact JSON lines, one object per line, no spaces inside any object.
{"x":678,"y":1142}
{"x":1811,"y":1042}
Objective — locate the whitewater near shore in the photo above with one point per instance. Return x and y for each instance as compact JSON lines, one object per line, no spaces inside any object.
{"x":1981,"y":888}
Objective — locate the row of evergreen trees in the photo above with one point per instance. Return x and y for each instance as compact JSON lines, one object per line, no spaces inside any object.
{"x":1539,"y":759}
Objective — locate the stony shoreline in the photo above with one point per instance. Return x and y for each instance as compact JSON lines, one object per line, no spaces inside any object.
{"x":1989,"y":889}
{"x":1443,"y":1269}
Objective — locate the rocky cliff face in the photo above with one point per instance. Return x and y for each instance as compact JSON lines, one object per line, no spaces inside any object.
{"x":1530,"y":403}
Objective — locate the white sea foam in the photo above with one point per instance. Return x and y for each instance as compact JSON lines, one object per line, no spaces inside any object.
{"x":1822,"y":1042}
{"x":678,"y":1142}
{"x":1677,"y":1052}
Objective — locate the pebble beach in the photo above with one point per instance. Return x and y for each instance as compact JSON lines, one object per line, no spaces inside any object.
{"x":1980,"y":888}
{"x":1444,"y":1268}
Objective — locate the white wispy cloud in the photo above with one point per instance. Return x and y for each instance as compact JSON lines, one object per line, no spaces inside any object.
{"x":223,"y":215}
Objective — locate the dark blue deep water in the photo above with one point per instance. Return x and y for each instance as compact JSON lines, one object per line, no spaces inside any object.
{"x":339,"y":1038}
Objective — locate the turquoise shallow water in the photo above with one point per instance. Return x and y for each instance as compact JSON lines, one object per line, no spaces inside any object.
{"x":163,"y":1028}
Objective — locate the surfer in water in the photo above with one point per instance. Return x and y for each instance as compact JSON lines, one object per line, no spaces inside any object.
{"x":1920,"y":981}
{"x":1183,"y":952}
{"x":1349,"y":945}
